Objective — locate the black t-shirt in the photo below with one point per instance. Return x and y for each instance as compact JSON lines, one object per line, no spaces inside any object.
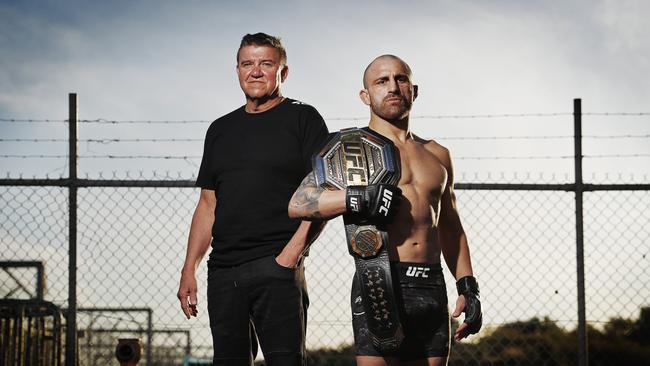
{"x":254,"y":163}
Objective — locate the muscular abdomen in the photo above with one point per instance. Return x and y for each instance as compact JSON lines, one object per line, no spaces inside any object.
{"x":413,"y":235}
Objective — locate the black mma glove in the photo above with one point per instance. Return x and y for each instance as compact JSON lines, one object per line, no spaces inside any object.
{"x":468,"y":287}
{"x":375,"y":203}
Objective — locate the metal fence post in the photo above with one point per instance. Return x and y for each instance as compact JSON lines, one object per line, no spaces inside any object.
{"x":580,"y":258}
{"x":71,"y":316}
{"x":149,"y":352}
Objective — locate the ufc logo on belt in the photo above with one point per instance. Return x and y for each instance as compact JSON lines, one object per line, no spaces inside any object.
{"x":386,"y":199}
{"x":417,"y":272}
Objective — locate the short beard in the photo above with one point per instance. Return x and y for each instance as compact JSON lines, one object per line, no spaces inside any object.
{"x":391,"y":113}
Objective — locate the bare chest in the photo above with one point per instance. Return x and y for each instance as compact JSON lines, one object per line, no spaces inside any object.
{"x":423,"y":176}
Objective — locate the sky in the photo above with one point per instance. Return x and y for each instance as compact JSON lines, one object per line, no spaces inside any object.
{"x":175,"y":61}
{"x":166,"y":60}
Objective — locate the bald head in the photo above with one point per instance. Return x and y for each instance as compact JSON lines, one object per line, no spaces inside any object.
{"x":388,"y":89}
{"x":377,"y":61}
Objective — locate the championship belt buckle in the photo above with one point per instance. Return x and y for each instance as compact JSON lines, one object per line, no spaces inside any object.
{"x":355,"y":156}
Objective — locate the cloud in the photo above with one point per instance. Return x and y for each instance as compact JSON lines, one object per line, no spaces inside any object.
{"x":171,"y":61}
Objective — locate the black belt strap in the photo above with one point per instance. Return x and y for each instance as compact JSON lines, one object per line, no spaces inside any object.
{"x":376,"y":284}
{"x":361,"y":157}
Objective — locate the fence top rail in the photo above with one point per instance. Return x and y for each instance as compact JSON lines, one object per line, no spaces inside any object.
{"x":81,"y":183}
{"x":87,"y":183}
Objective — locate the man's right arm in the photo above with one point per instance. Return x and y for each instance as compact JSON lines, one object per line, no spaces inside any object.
{"x":197,"y":245}
{"x":374,"y":203}
{"x":311,"y":202}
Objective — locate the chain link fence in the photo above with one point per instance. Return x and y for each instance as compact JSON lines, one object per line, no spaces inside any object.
{"x":132,"y":244}
{"x":132,"y":241}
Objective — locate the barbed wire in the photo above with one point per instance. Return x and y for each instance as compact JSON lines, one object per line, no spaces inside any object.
{"x":551,"y":157}
{"x":439,"y":116}
{"x":104,"y":141}
{"x":39,"y":156}
{"x":107,"y":121}
{"x":464,"y":176}
{"x":616,"y":156}
{"x":32,"y":120}
{"x":187,"y":157}
{"x":622,"y":114}
{"x":512,"y":137}
{"x":615,"y":136}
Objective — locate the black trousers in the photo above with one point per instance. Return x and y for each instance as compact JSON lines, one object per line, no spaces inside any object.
{"x":272,"y":298}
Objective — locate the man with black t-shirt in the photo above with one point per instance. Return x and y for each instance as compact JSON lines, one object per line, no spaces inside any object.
{"x":254,"y":159}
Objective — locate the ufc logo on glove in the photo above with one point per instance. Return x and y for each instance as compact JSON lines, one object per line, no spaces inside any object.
{"x":387,"y":197}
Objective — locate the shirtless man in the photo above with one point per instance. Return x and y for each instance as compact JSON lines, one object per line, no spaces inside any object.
{"x":425,"y":225}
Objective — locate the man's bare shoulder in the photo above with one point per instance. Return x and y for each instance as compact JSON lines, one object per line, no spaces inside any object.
{"x":432,"y":146}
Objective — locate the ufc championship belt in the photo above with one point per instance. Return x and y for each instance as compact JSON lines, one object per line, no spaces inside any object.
{"x":362,"y":157}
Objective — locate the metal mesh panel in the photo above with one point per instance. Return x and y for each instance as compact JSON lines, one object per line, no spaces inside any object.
{"x":131,"y":245}
{"x":524,"y":256}
{"x":617,"y":228}
{"x":617,"y":270}
{"x":132,"y":241}
{"x":523,"y":252}
{"x":34,"y":227}
{"x":131,"y":248}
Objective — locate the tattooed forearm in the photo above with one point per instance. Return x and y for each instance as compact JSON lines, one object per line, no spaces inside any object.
{"x":306,"y":198}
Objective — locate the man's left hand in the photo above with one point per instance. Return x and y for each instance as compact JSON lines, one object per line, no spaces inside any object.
{"x":286,"y":260}
{"x":468,"y":302}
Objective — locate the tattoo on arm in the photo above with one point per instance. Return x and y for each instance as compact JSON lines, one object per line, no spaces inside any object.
{"x":306,"y":197}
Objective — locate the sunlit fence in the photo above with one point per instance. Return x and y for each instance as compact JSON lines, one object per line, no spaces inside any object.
{"x":556,"y":255}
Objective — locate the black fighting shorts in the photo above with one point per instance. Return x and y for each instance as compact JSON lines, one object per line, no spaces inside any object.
{"x":422,"y":301}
